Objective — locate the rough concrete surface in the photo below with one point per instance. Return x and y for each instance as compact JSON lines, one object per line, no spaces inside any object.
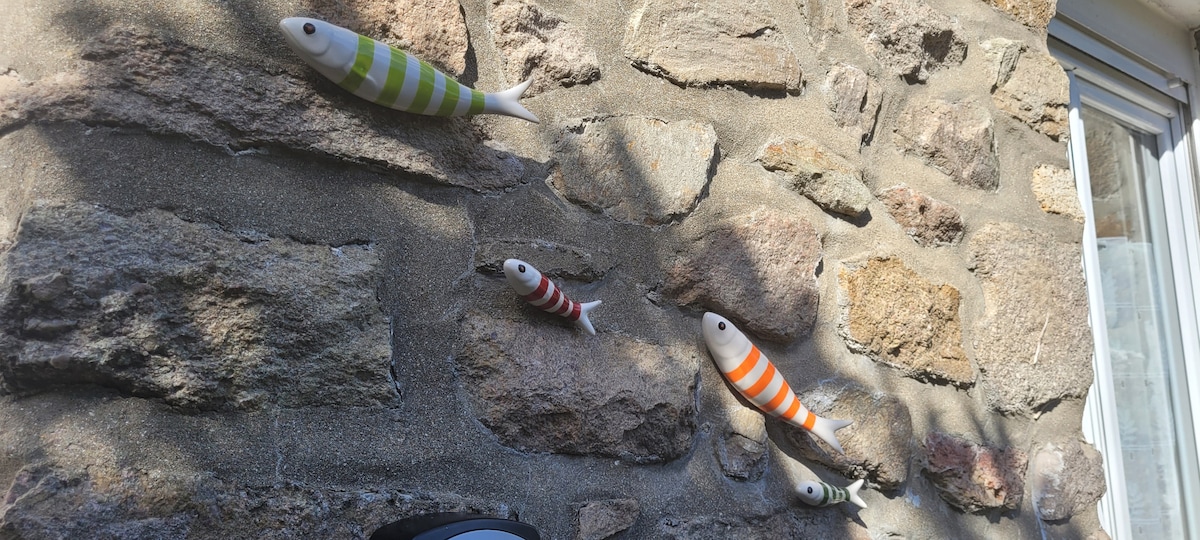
{"x":237,"y":301}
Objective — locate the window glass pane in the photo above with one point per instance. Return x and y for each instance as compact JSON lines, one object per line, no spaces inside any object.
{"x":1130,"y":231}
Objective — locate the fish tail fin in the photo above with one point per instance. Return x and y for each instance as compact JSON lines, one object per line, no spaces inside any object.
{"x":852,"y":489}
{"x":583,"y":320}
{"x":506,"y":103}
{"x":824,"y":429}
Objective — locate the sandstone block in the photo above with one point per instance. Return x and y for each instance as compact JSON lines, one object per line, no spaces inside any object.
{"x":928,"y":221}
{"x":1033,"y":344}
{"x":854,"y":99}
{"x":973,"y":477}
{"x":1066,"y":479}
{"x":1036,"y":93}
{"x":908,"y":36}
{"x":812,"y":170}
{"x":956,"y":138}
{"x":635,"y":169}
{"x":756,"y":269}
{"x":537,"y":43}
{"x":877,"y":445}
{"x":895,"y":316}
{"x":1054,"y":188}
{"x":1032,"y":13}
{"x":600,"y":520}
{"x":712,"y":42}
{"x":554,"y":389}
{"x":201,"y":318}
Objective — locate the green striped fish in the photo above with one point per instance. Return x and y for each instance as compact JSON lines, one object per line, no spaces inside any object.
{"x":822,"y":494}
{"x":391,"y":77}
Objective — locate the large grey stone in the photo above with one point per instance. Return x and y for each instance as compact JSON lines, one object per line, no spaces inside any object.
{"x":908,"y":36}
{"x":555,"y":389}
{"x":438,"y":36}
{"x":1054,"y":188}
{"x":635,"y":169}
{"x":104,"y":502}
{"x":201,"y":318}
{"x":878,"y":445}
{"x":536,"y":43}
{"x":816,"y":172}
{"x":854,"y":98}
{"x":712,"y":42}
{"x":956,"y":138}
{"x":758,"y":269}
{"x":135,"y":78}
{"x":1035,"y":92}
{"x":974,"y":477}
{"x":600,"y":520}
{"x":895,"y":316}
{"x":1033,"y":343}
{"x":1066,"y":479}
{"x":928,"y":221}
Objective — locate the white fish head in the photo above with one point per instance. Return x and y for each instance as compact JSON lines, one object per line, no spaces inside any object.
{"x":325,"y":46}
{"x":810,"y":492}
{"x":521,"y":276}
{"x":725,"y":342}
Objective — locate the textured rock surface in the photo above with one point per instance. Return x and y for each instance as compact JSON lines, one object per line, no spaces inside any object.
{"x":438,"y":35}
{"x":973,"y":477}
{"x":712,"y":42}
{"x":1033,"y":345}
{"x":558,"y":260}
{"x":1054,"y":188}
{"x":202,"y":318}
{"x":553,"y":389}
{"x":1036,"y":93}
{"x":635,"y":169}
{"x":953,"y":137}
{"x":599,"y":520}
{"x":816,"y":172}
{"x":928,"y":221}
{"x":1032,"y":13}
{"x":897,"y":317}
{"x":742,"y":447}
{"x":878,"y":445}
{"x":1065,"y":479}
{"x":781,"y":524}
{"x":757,"y":269}
{"x":136,"y":78}
{"x":854,"y":98}
{"x":44,"y":503}
{"x":1003,"y":54}
{"x":538,"y":44}
{"x":909,"y":37}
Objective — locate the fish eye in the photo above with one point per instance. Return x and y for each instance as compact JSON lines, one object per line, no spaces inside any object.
{"x":810,"y":490}
{"x":309,"y":28}
{"x":721,"y":326}
{"x":521,"y":268}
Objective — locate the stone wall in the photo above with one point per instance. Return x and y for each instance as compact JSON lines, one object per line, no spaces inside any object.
{"x":236,"y":301}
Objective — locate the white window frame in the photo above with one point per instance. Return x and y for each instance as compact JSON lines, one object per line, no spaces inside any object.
{"x":1104,"y":71}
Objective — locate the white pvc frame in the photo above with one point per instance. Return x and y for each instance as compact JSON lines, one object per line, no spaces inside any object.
{"x":1101,"y":85}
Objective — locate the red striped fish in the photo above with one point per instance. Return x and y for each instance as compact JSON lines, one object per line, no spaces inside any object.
{"x":756,"y":378}
{"x":541,"y":292}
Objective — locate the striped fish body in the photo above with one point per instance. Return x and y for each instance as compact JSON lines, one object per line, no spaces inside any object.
{"x":817,"y":493}
{"x":755,"y":377}
{"x":390,"y":77}
{"x":538,"y":290}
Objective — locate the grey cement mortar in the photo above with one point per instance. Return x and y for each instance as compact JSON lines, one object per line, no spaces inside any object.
{"x":432,"y":441}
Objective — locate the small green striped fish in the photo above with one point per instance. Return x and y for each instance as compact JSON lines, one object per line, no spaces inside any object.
{"x":822,"y":494}
{"x":390,"y":77}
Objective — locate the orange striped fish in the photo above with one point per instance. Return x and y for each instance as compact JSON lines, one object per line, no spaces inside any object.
{"x":542,"y":293}
{"x":756,"y":378}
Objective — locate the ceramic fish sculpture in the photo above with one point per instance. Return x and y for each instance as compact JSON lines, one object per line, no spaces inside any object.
{"x":390,"y":77}
{"x":756,"y":378}
{"x":542,"y":293}
{"x":821,"y":494}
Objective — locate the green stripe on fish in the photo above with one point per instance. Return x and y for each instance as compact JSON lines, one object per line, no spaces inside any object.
{"x":397,"y":70}
{"x":424,"y":90}
{"x":450,"y":101}
{"x":362,"y":64}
